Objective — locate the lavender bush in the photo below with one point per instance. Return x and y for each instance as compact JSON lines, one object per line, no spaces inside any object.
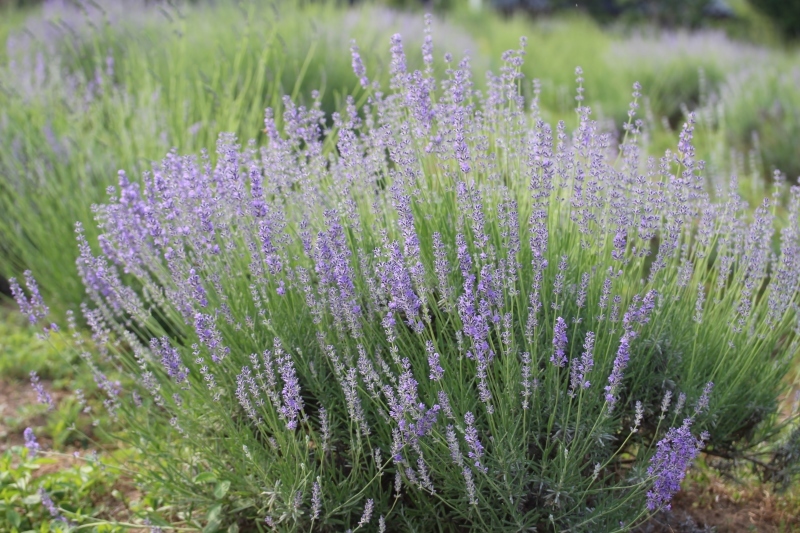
{"x":438,"y":313}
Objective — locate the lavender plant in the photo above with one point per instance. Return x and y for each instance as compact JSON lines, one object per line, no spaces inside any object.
{"x":438,"y":313}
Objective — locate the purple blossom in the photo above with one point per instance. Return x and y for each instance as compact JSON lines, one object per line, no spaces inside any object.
{"x":620,"y":362}
{"x":674,"y":455}
{"x":437,"y":372}
{"x":579,"y":368}
{"x":52,"y":508}
{"x":581,"y":301}
{"x":426,"y":422}
{"x":452,"y":444}
{"x":34,"y":308}
{"x":473,"y":441}
{"x":559,"y":357}
{"x":558,"y":285}
{"x":42,"y":396}
{"x":170,"y":359}
{"x":244,"y":384}
{"x":292,"y":401}
{"x":641,"y":315}
{"x":527,"y":384}
{"x":358,"y":65}
{"x":367,"y":515}
{"x":702,"y":402}
{"x":396,"y":282}
{"x":316,"y":500}
{"x":472,"y":493}
{"x":407,"y":388}
{"x":442,"y":268}
{"x":197,"y":286}
{"x":427,"y":45}
{"x":620,"y":242}
{"x":30,"y":441}
{"x":206,"y":328}
{"x":398,"y":62}
{"x":336,"y":276}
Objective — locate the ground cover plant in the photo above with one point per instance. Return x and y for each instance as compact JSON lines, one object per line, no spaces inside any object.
{"x":437,"y":311}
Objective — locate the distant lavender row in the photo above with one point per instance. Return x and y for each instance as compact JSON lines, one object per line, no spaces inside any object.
{"x":441,"y":308}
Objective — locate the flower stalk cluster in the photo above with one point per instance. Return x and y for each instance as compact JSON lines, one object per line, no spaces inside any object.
{"x":438,"y":296}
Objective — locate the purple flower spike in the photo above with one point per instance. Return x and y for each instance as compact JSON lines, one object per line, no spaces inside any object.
{"x":358,"y":65}
{"x":292,"y":401}
{"x":620,"y":362}
{"x":34,"y":308}
{"x":30,"y":441}
{"x":673,"y":457}
{"x":702,"y":403}
{"x":42,"y":396}
{"x":52,"y":508}
{"x":579,"y":368}
{"x":437,"y":372}
{"x":620,"y":243}
{"x":474,"y":443}
{"x":559,"y":357}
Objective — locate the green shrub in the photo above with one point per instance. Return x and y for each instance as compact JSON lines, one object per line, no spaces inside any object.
{"x":441,"y":313}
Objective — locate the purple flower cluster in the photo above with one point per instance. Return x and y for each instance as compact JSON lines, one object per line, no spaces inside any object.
{"x":580,"y":368}
{"x":620,"y":363}
{"x":42,"y":396}
{"x":52,"y":508}
{"x":559,"y":357}
{"x":437,"y":372}
{"x":473,"y":441}
{"x":30,"y":441}
{"x":34,"y":308}
{"x":292,"y":401}
{"x":674,"y":455}
{"x":170,"y":359}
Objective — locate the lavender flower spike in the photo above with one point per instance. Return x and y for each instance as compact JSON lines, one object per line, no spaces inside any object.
{"x":702,"y":402}
{"x":51,"y":507}
{"x":474,"y":443}
{"x":358,"y":65}
{"x":620,"y":362}
{"x":30,"y":441}
{"x":367,"y":516}
{"x":580,"y":367}
{"x":34,"y":308}
{"x":42,"y":395}
{"x":437,"y":372}
{"x":674,"y":455}
{"x":559,"y":357}
{"x":292,"y":400}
